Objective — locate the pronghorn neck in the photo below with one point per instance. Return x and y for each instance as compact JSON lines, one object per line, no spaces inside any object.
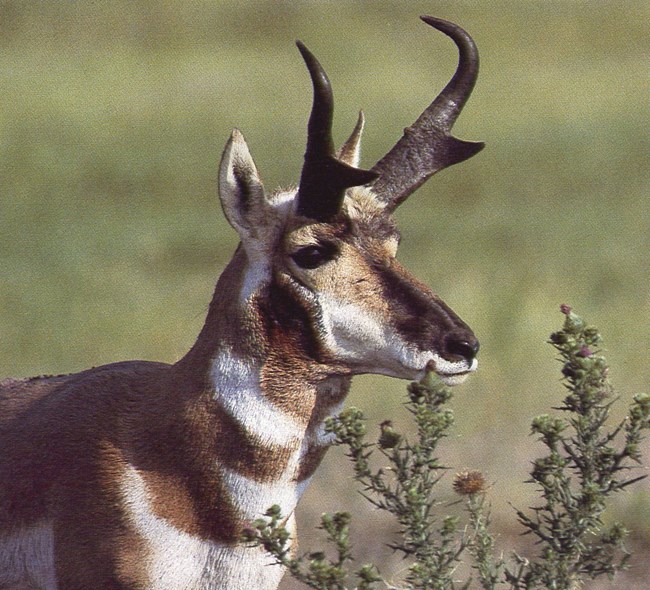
{"x":283,"y":418}
{"x":281,"y":413}
{"x":254,"y":360}
{"x":224,"y":325}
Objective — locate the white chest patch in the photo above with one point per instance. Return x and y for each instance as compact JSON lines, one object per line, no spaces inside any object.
{"x":27,"y":558}
{"x":179,"y":561}
{"x":254,"y":498}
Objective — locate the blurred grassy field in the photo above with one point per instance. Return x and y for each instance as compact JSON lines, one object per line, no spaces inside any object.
{"x":113,"y":117}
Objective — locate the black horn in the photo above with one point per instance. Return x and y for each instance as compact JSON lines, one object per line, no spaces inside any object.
{"x":428,"y":146}
{"x":324,"y":178}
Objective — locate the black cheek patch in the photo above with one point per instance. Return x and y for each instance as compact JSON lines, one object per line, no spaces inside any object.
{"x":289,"y":321}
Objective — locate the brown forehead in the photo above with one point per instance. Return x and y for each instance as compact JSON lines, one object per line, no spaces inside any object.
{"x":367,"y":216}
{"x":359,"y":219}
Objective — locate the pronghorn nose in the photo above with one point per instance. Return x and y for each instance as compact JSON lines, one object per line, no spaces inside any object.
{"x":461,"y":347}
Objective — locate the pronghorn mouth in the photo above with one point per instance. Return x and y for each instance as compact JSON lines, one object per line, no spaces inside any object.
{"x":450,"y":378}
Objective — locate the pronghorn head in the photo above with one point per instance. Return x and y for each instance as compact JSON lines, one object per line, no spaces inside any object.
{"x":322,"y":258}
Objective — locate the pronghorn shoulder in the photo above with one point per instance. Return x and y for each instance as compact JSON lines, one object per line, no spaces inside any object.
{"x":48,"y":398}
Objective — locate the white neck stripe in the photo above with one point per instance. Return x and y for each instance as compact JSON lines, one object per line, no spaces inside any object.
{"x":237,"y":389}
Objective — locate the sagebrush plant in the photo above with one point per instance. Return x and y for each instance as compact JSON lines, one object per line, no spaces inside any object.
{"x":582,"y":470}
{"x":584,"y":465}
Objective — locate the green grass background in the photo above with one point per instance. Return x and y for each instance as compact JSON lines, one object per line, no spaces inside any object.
{"x":112,"y":120}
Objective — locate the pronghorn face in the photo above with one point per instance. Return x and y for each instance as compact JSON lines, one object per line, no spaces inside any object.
{"x":362,"y":312}
{"x":374,"y":316}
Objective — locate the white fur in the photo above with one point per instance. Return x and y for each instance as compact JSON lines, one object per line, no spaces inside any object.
{"x":237,"y":389}
{"x":376,"y":347}
{"x":257,"y":274}
{"x":453,"y":373}
{"x":179,"y":561}
{"x":283,"y":201}
{"x":361,"y":338}
{"x":27,"y":557}
{"x":253,"y":498}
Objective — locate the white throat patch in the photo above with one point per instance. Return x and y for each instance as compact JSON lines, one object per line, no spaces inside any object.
{"x":236,"y":383}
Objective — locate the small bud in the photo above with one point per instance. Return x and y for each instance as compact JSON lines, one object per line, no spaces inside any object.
{"x":584,"y":352}
{"x":341,"y":519}
{"x":559,"y":338}
{"x":572,"y":372}
{"x":274,"y":510}
{"x":468,"y":483}
{"x":368,"y":574}
{"x":568,"y":370}
{"x":248,"y":534}
{"x":259,"y":524}
{"x":573,"y":324}
{"x":389,"y":438}
{"x":591,"y":333}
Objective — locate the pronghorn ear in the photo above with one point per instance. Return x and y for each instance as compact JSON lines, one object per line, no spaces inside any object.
{"x":242,"y":194}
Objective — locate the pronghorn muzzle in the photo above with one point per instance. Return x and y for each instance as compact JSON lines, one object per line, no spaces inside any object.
{"x":425,"y":322}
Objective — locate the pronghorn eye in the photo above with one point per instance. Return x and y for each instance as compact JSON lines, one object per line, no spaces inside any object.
{"x":314,"y":256}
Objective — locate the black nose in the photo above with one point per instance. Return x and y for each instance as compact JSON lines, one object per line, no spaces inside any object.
{"x":460,"y":347}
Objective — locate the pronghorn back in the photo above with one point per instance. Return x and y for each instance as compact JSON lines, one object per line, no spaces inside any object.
{"x":141,"y":475}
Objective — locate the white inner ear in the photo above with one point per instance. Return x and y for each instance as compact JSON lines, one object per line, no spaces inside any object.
{"x":243,"y":199}
{"x":240,"y":188}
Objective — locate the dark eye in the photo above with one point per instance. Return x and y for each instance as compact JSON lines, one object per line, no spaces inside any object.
{"x":314,"y":256}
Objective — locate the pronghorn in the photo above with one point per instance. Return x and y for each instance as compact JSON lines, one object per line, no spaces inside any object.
{"x":142,"y":475}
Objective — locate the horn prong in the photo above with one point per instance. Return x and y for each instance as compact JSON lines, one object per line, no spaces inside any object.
{"x":350,"y":151}
{"x":427,"y":146}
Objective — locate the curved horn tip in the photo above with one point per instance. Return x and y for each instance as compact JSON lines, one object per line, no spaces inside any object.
{"x":301,"y":46}
{"x":428,"y":146}
{"x":459,"y":35}
{"x":320,"y":81}
{"x":361,"y":119}
{"x":439,"y":23}
{"x":310,"y":59}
